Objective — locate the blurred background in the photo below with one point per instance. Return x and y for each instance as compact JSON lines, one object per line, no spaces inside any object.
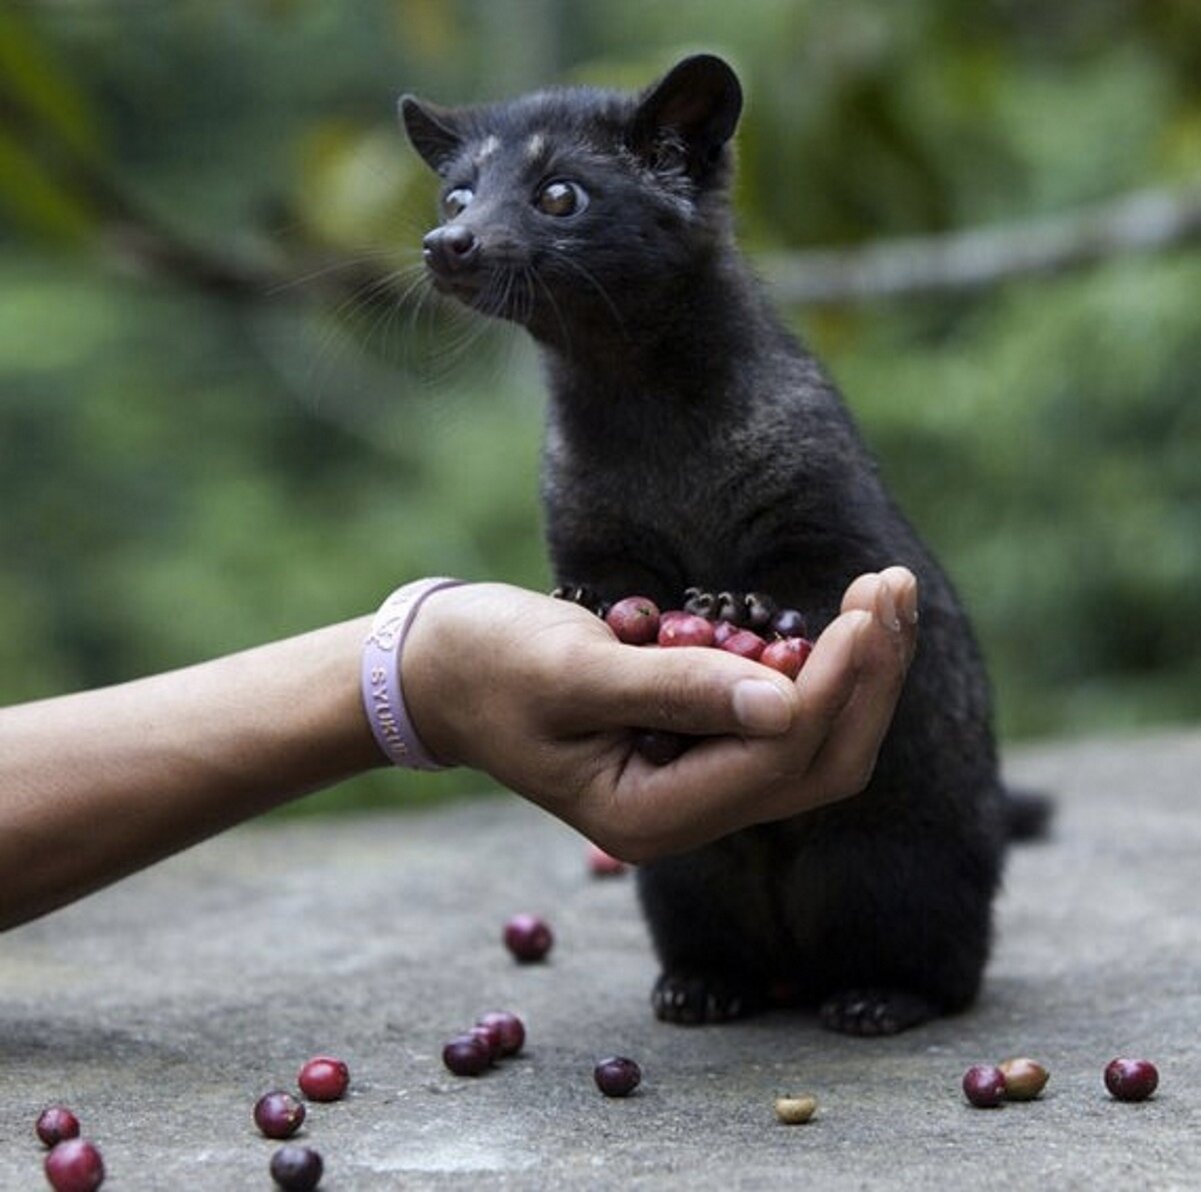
{"x":229,"y":412}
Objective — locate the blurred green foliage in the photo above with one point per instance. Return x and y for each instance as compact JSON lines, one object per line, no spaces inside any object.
{"x":185,"y":473}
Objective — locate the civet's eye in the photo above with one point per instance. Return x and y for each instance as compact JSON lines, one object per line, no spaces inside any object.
{"x":561,"y":198}
{"x":455,"y":200}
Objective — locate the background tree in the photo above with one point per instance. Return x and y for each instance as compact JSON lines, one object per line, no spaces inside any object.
{"x":229,"y":410}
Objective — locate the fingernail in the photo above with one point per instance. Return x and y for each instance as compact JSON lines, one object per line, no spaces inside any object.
{"x":909,"y":603}
{"x":761,"y":707}
{"x":887,"y":608}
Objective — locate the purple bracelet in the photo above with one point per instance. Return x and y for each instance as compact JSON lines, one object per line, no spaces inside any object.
{"x":383,"y":698}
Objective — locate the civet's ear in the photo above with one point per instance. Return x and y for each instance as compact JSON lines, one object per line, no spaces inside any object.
{"x":697,"y":102}
{"x":432,"y":130}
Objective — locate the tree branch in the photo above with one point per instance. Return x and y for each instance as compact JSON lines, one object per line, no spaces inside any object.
{"x":1145,"y":221}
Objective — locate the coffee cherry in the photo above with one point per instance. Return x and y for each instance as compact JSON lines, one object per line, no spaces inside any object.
{"x":1024,"y":1078}
{"x":56,"y":1123}
{"x":74,"y":1165}
{"x":746,"y":643}
{"x":489,"y":1036}
{"x":617,"y":1076}
{"x":297,"y":1168}
{"x":635,"y":620}
{"x":528,"y":937}
{"x":794,"y":1111}
{"x":684,"y":629}
{"x":984,"y":1086}
{"x":1131,"y":1080}
{"x":467,"y":1055}
{"x":278,"y":1114}
{"x":723,"y":631}
{"x":788,"y":622}
{"x":787,"y":655}
{"x":659,"y":748}
{"x":602,"y":864}
{"x":509,"y":1027}
{"x":324,"y":1078}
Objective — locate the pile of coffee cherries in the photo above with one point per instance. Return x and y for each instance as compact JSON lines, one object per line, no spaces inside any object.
{"x":751,"y":626}
{"x":279,"y":1115}
{"x":73,"y":1164}
{"x":500,"y":1034}
{"x":496,"y":1035}
{"x":1022,"y":1079}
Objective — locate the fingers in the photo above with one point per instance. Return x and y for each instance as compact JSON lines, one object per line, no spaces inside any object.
{"x":847,"y":695}
{"x":708,"y":692}
{"x":697,"y":691}
{"x":864,"y":592}
{"x":882,"y":648}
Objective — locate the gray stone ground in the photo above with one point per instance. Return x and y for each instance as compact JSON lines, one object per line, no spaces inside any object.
{"x":161,"y":1008}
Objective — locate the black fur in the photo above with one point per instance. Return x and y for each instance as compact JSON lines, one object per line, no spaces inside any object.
{"x":692,"y":441}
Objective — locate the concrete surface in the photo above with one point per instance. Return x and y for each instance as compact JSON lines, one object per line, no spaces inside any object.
{"x":161,"y":1008}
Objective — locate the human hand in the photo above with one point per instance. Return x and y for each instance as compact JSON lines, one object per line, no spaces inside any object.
{"x":539,"y":693}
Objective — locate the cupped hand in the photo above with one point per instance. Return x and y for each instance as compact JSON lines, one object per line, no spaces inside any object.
{"x":540,"y":694}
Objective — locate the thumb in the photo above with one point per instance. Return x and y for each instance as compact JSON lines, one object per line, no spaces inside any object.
{"x":683,"y":689}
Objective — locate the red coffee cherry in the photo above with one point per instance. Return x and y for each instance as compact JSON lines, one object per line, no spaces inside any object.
{"x":297,"y":1168}
{"x":684,"y":629}
{"x":324,"y":1078}
{"x":278,"y":1114}
{"x":1131,"y":1080}
{"x":467,"y":1055}
{"x":787,"y":655}
{"x":617,"y":1076}
{"x":75,"y":1165}
{"x":635,"y":620}
{"x":528,"y":937}
{"x":984,"y":1086}
{"x":510,"y":1028}
{"x":56,"y":1123}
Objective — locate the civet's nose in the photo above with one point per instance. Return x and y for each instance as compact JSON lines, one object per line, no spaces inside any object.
{"x":451,"y":248}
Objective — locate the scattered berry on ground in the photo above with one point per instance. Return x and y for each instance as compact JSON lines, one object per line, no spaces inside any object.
{"x":467,"y":1055}
{"x":793,"y":1111}
{"x":528,"y":937}
{"x":603,"y":864}
{"x":56,"y":1123}
{"x":278,"y":1114}
{"x":74,"y":1165}
{"x":324,"y":1078}
{"x":1024,"y":1078}
{"x":1130,"y":1079}
{"x":617,"y":1076}
{"x":489,"y":1036}
{"x":984,"y":1086}
{"x":510,"y":1028}
{"x":297,"y":1168}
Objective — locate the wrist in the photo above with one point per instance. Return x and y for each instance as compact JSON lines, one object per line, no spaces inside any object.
{"x":387,"y":697}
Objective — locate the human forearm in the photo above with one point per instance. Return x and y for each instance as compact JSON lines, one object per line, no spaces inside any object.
{"x":96,"y":785}
{"x":535,"y":691}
